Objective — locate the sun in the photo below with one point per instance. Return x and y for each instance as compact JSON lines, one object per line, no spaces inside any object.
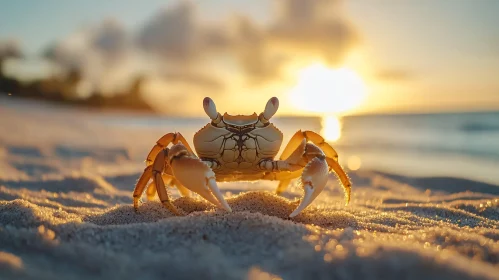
{"x":328,"y":92}
{"x":321,"y":89}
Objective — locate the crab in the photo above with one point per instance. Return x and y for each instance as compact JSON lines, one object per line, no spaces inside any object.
{"x":238,"y":148}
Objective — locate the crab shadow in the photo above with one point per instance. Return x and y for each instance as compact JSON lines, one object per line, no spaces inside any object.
{"x":24,"y":151}
{"x":261,"y":202}
{"x":64,"y":185}
{"x":232,"y":245}
{"x":124,"y":182}
{"x":222,"y":245}
{"x":71,"y":191}
{"x":97,"y":153}
{"x":445,"y":184}
{"x":34,"y":169}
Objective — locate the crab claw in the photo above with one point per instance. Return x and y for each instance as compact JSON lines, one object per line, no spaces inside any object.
{"x":313,"y":179}
{"x":212,"y":184}
{"x":196,"y":176}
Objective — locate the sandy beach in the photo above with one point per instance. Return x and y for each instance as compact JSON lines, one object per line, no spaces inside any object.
{"x":66,"y":213}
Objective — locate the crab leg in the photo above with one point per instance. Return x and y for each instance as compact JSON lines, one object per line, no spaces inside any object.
{"x":345,"y":181}
{"x":154,"y":171}
{"x":141,"y":184}
{"x":321,"y":143}
{"x":164,"y":141}
{"x":158,"y":167}
{"x":294,"y":143}
{"x":183,"y":190}
{"x":169,"y":181}
{"x":151,"y":188}
{"x":151,"y":191}
{"x":196,"y":176}
{"x":283,"y":184}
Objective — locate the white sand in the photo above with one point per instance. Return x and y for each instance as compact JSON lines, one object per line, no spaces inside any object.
{"x":66,"y":213}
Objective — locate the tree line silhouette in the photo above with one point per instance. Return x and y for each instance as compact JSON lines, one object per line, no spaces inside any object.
{"x":63,"y":89}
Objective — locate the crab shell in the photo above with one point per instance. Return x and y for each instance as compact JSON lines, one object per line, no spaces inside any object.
{"x":236,"y":145}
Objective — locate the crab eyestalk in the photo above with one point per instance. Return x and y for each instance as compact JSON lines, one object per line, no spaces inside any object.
{"x":270,"y":110}
{"x":211,"y":110}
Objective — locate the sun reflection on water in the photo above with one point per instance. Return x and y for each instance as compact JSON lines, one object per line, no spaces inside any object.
{"x":331,"y":128}
{"x":331,"y":131}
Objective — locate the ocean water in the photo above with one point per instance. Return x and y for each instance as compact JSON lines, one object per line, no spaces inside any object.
{"x":463,"y":145}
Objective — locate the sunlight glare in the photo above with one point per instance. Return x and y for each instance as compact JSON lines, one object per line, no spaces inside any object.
{"x":331,"y":128}
{"x":324,"y":90}
{"x":354,"y":163}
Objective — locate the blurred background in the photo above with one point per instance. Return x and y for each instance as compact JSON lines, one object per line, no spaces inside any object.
{"x":408,"y":87}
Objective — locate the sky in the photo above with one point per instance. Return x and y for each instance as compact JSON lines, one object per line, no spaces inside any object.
{"x":411,"y":56}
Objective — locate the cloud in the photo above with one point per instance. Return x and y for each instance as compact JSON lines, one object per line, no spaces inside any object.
{"x":253,"y":51}
{"x":314,"y":27}
{"x":105,"y":42}
{"x":171,"y":33}
{"x":110,"y":39}
{"x":193,"y":79}
{"x":175,"y":34}
{"x":179,"y":94}
{"x":395,"y":75}
{"x":101,"y":54}
{"x":175,"y":45}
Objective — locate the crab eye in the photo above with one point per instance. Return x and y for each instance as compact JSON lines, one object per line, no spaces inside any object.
{"x":271,"y":108}
{"x":210,"y":108}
